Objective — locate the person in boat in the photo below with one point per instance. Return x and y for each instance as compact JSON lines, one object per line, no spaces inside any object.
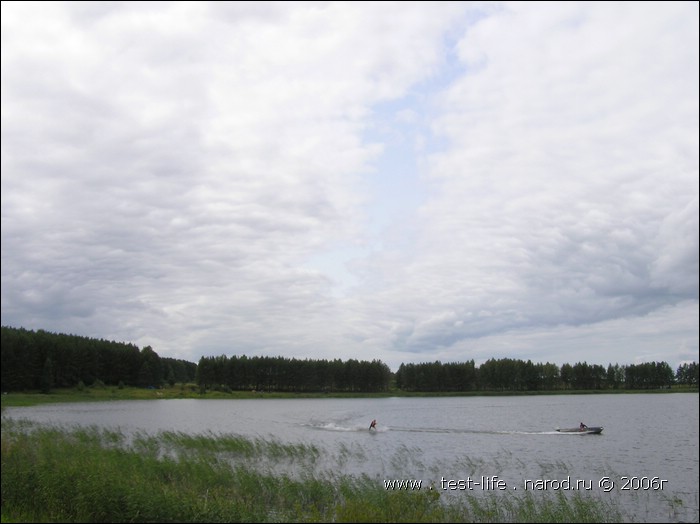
{"x":582,"y":427}
{"x":373,"y":424}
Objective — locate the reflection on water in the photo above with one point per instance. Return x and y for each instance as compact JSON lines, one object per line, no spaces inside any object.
{"x":512,"y":438}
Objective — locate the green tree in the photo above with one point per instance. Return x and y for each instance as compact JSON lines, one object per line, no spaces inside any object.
{"x":47,"y":381}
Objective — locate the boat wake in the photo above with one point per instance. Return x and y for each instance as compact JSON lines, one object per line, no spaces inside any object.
{"x":348,"y":428}
{"x":475,"y":431}
{"x":332,"y":426}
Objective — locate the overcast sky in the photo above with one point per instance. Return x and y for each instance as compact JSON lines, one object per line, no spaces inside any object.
{"x":404,"y":181}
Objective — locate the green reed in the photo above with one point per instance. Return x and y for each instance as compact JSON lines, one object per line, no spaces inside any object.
{"x":52,"y":474}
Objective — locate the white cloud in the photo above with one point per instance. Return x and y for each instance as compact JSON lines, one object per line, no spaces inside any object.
{"x":338,"y":180}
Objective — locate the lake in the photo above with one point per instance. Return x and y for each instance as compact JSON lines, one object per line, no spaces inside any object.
{"x":646,"y":456}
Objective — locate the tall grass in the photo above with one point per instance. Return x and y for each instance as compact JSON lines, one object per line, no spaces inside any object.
{"x":52,"y":474}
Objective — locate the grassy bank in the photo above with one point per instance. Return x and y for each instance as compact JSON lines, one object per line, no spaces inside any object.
{"x":92,"y":475}
{"x":88,"y":394}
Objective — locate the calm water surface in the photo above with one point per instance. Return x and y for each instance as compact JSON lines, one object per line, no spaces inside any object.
{"x":513,"y":438}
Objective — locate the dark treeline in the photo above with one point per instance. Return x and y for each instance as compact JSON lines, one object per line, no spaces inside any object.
{"x":294,"y":375}
{"x":42,"y":360}
{"x":39,"y":360}
{"x":508,"y":374}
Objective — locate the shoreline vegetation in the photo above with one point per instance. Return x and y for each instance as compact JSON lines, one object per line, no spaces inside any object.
{"x":43,"y":361}
{"x":192,"y":391}
{"x":52,"y":474}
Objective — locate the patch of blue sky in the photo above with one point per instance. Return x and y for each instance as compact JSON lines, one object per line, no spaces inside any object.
{"x":335,"y":263}
{"x":397,"y":183}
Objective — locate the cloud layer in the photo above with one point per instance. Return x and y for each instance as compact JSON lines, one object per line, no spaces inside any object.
{"x":335,"y":180}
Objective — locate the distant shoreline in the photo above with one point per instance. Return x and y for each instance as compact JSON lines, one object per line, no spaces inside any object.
{"x":190,"y":391}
